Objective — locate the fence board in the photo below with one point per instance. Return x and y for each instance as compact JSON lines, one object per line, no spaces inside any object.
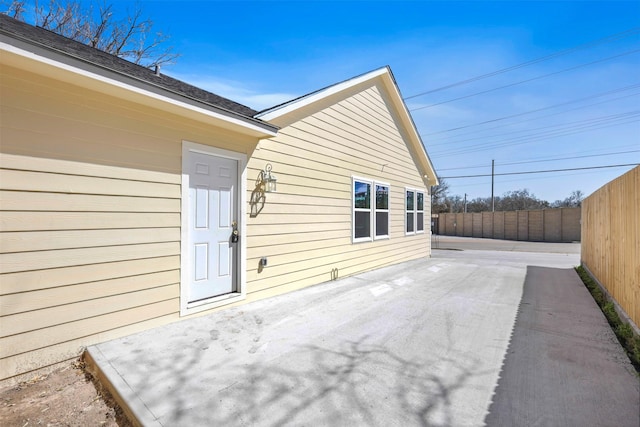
{"x":523,"y":225}
{"x":487,"y":225}
{"x":610,"y":246}
{"x":552,"y":225}
{"x":498,"y":225}
{"x":468,"y":225}
{"x":459,"y":224}
{"x":571,"y":225}
{"x":477,"y":224}
{"x":549,"y":225}
{"x":536,"y":226}
{"x":511,"y":225}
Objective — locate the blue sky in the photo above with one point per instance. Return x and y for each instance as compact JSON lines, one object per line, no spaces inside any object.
{"x":266,"y":52}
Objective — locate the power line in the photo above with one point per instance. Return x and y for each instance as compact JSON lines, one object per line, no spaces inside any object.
{"x":527,"y":139}
{"x":569,"y":158}
{"x":572,"y":153}
{"x":529,"y":180}
{"x":450,"y":141}
{"x":540,"y":171}
{"x":630,"y":52}
{"x":609,"y":92}
{"x":543,"y":161}
{"x":533,"y":130}
{"x":607,"y":39}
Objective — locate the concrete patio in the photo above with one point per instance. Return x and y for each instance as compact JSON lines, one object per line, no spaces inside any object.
{"x":466,"y":338}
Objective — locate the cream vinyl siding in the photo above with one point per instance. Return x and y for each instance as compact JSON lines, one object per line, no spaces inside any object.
{"x":90,"y":217}
{"x":305,"y":228}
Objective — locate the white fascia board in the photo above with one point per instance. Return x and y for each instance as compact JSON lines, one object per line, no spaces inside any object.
{"x":414,"y":135}
{"x":386,"y":76}
{"x":14,"y":55}
{"x":316,"y":96}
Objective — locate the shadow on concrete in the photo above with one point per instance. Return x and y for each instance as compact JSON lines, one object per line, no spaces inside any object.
{"x":358,"y":382}
{"x":563,"y":365}
{"x":342,"y":386}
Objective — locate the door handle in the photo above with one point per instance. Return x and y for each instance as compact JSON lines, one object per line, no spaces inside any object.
{"x":234,"y":233}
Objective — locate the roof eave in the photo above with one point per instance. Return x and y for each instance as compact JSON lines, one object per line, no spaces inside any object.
{"x":278,"y":111}
{"x":429,"y":173}
{"x":49,"y":62}
{"x":284,"y":114}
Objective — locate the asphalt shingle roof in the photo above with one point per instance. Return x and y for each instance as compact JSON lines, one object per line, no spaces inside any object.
{"x":56,"y":42}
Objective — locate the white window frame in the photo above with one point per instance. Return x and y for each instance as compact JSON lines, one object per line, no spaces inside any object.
{"x":376,"y":210}
{"x":355,"y":239}
{"x":414,"y":211}
{"x":371,"y":210}
{"x":418,"y":211}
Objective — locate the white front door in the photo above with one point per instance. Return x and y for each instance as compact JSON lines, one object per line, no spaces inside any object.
{"x":212,"y":254}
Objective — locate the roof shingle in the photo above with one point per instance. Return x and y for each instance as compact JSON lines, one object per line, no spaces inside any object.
{"x":78,"y":50}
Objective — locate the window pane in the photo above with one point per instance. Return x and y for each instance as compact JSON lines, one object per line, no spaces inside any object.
{"x":382,"y":197}
{"x":382,"y":223}
{"x":420,"y":222}
{"x":420,"y":201}
{"x":362,"y":195}
{"x":362,"y":226}
{"x":410,"y":222}
{"x":410,"y":200}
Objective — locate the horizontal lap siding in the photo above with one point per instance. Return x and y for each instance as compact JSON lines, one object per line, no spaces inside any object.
{"x":304,"y":229}
{"x":90,"y":218}
{"x":41,"y":310}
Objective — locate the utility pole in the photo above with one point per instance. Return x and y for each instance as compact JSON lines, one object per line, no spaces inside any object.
{"x":465,"y":202}
{"x":493,"y":200}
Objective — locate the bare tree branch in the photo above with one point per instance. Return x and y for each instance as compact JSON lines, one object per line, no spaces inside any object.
{"x":130,"y":37}
{"x":15,"y":9}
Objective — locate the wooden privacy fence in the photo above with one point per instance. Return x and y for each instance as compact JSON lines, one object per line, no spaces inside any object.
{"x":611,"y":240}
{"x":544,"y":225}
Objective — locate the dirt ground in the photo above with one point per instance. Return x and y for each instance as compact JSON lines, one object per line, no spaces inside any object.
{"x":65,"y":397}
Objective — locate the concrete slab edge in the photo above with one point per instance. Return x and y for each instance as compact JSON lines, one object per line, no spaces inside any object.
{"x":621,"y":312}
{"x":134,"y":409}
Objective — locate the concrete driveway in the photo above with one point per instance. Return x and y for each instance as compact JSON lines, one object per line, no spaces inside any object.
{"x":473,"y":243}
{"x":428,"y":342}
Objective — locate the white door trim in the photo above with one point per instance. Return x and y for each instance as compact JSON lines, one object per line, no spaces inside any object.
{"x":187,"y":308}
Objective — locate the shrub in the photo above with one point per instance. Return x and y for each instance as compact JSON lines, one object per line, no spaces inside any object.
{"x":625,"y":331}
{"x":611,"y":314}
